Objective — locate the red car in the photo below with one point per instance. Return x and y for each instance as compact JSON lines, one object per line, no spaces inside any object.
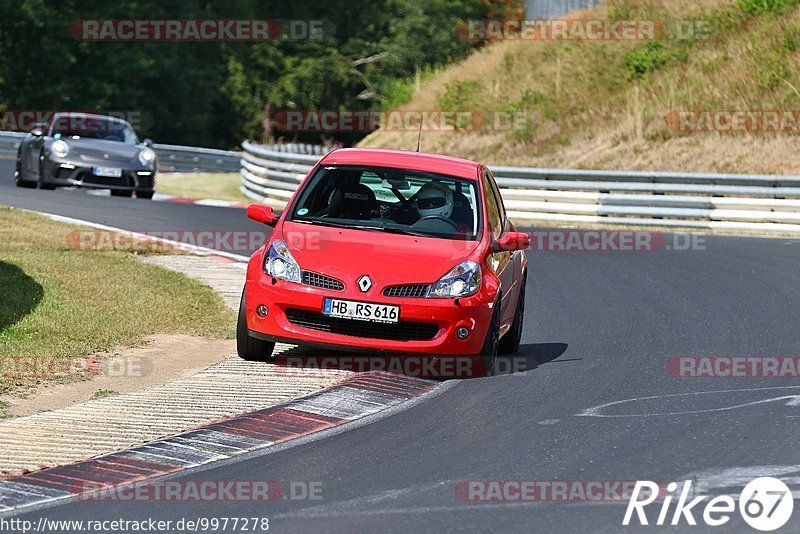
{"x":391,"y":252}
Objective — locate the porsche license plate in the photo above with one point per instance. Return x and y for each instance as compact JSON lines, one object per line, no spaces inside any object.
{"x":109,"y":172}
{"x":361,"y":311}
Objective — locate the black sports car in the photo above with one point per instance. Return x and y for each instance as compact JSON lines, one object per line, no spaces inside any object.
{"x":86,"y":150}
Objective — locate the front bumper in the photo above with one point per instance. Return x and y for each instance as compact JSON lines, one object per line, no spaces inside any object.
{"x":427,"y":326}
{"x":81,"y":174}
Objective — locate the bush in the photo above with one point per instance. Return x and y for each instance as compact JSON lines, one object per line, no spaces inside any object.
{"x":645,"y":60}
{"x":459,"y":95}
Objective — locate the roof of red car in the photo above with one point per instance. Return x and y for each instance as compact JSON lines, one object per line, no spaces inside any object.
{"x":416,"y":161}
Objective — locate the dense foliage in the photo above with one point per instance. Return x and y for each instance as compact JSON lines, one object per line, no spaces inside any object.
{"x":216,"y":93}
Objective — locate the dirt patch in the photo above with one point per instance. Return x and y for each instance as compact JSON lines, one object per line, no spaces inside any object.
{"x":163,"y":358}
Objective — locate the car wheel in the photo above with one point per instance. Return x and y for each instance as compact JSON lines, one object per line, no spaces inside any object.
{"x":147,"y":195}
{"x":41,"y":184}
{"x":250,"y":348}
{"x":491,"y":343}
{"x":18,"y":181}
{"x":119,"y":193}
{"x":511,"y":341}
{"x":45,"y":186}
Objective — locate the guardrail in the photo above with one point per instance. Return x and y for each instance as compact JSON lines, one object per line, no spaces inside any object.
{"x":732,"y":202}
{"x":9,"y":141}
{"x":175,"y":158}
{"x":271,"y":176}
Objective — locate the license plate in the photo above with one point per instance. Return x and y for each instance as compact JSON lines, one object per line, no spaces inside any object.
{"x":361,"y":311}
{"x":110,"y":172}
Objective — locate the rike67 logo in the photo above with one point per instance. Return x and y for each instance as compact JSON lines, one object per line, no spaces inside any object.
{"x":766,"y":504}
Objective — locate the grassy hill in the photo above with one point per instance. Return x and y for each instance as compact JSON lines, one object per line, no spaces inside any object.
{"x":605,"y":104}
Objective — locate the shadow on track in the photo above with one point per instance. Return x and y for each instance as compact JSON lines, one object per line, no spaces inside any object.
{"x":529,"y":357}
{"x":19,"y":294}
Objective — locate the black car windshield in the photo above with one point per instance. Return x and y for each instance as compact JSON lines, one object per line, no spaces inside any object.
{"x":77,"y":126}
{"x":391,"y":200}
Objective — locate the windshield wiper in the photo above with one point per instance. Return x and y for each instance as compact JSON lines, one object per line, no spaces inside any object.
{"x":394,"y":230}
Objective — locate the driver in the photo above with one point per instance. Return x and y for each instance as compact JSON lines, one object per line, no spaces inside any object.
{"x":435,"y":200}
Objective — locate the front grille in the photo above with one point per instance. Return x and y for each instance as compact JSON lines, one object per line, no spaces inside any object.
{"x":126,"y":180}
{"x":402,"y":331}
{"x":320,"y":280}
{"x":408,"y":290}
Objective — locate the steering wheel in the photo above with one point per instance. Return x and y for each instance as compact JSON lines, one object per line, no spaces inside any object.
{"x":404,"y":214}
{"x":440,"y":218}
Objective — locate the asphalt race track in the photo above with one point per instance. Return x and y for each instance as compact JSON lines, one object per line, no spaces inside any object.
{"x":600,"y":328}
{"x":127,"y":213}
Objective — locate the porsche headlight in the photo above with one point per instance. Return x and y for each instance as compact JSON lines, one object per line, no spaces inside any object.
{"x":60,"y":149}
{"x":462,"y":281}
{"x":147,"y":156}
{"x":280,"y":263}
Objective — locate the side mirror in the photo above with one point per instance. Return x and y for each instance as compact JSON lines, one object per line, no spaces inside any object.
{"x":262,"y":214}
{"x":37,"y":131}
{"x":148,"y":143}
{"x":511,"y":241}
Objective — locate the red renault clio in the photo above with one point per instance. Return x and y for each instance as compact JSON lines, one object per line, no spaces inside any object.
{"x":388,"y":251}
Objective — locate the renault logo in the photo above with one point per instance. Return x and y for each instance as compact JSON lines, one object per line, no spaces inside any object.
{"x":364,"y":283}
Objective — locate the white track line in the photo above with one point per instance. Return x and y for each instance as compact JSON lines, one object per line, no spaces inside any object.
{"x":177,"y":244}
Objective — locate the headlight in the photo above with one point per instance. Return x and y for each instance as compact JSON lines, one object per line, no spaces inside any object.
{"x":147,"y":156}
{"x":60,"y":148}
{"x":462,"y":281}
{"x":280,"y":263}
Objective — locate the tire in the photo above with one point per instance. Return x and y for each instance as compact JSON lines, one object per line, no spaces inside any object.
{"x":118,"y":193}
{"x":41,"y":184}
{"x":488,"y":356}
{"x":248,"y":347}
{"x":18,"y":181}
{"x":510,"y":342}
{"x":146,"y":195}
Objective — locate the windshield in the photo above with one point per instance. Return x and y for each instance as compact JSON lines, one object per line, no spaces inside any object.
{"x":93,"y":128}
{"x":391,"y":200}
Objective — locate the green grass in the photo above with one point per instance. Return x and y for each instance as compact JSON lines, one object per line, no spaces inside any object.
{"x":104,"y":393}
{"x":587,"y":100}
{"x":220,"y":186}
{"x":59,"y":303}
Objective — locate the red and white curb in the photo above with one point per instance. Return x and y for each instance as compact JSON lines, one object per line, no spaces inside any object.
{"x":159,"y":197}
{"x":178,"y":199}
{"x":355,"y":398}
